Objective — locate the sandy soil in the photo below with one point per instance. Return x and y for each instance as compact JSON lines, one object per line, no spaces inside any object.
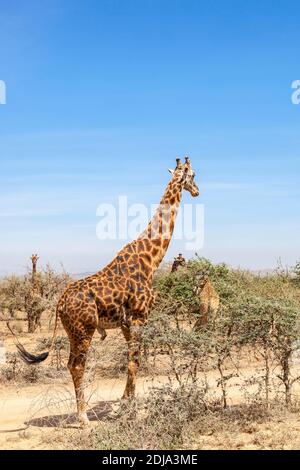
{"x":42,"y":416}
{"x":30,"y":414}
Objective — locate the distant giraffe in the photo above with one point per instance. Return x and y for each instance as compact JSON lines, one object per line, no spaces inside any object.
{"x":121,"y":294}
{"x":179,"y":261}
{"x":32,"y":301}
{"x":204,"y":290}
{"x":209,"y":301}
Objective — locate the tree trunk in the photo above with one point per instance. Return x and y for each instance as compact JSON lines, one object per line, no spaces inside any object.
{"x":286,"y":377}
{"x":32,"y":323}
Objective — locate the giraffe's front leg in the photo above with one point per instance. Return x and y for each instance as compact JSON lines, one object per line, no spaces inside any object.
{"x":78,"y":354}
{"x":132,"y":336}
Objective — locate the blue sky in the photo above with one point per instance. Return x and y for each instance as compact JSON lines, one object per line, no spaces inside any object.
{"x":103,"y":95}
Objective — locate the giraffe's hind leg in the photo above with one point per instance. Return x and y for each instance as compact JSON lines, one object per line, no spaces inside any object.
{"x":132,"y":336}
{"x":79,"y":346}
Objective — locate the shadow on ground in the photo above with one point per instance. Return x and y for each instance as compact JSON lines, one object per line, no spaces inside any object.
{"x":99,"y":412}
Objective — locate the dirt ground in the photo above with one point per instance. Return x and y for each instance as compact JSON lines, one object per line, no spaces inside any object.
{"x":31,"y":415}
{"x":42,"y":415}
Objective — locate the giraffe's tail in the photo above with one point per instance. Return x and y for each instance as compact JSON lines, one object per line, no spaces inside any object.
{"x":27,"y":356}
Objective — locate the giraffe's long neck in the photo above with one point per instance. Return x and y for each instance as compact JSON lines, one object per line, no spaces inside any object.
{"x":34,"y":278}
{"x":159,"y":231}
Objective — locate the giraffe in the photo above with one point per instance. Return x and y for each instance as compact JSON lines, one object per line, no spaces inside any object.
{"x":121,"y":294}
{"x":32,"y":298}
{"x":209,"y":301}
{"x":179,"y":261}
{"x":204,"y":290}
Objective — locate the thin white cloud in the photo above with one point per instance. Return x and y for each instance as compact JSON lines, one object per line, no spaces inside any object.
{"x":31,"y":213}
{"x":219,"y":185}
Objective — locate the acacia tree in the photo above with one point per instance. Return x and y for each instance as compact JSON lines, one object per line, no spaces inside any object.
{"x":50,"y":287}
{"x":296,"y":270}
{"x":259,"y":312}
{"x":12,"y":295}
{"x":16,"y":295}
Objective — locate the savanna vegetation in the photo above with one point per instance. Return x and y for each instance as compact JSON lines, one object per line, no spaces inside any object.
{"x":236,"y":373}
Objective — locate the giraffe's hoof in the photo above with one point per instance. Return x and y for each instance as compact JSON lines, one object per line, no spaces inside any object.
{"x":102,"y":333}
{"x":127,"y":395}
{"x":84,"y":421}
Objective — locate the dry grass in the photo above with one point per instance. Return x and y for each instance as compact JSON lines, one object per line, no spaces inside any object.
{"x":169,"y":424}
{"x":225,"y":387}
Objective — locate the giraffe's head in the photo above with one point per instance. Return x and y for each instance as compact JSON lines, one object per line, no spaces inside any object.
{"x":34,"y":259}
{"x":186,"y":175}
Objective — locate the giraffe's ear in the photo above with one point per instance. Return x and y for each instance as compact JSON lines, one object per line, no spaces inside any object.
{"x":171,"y":171}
